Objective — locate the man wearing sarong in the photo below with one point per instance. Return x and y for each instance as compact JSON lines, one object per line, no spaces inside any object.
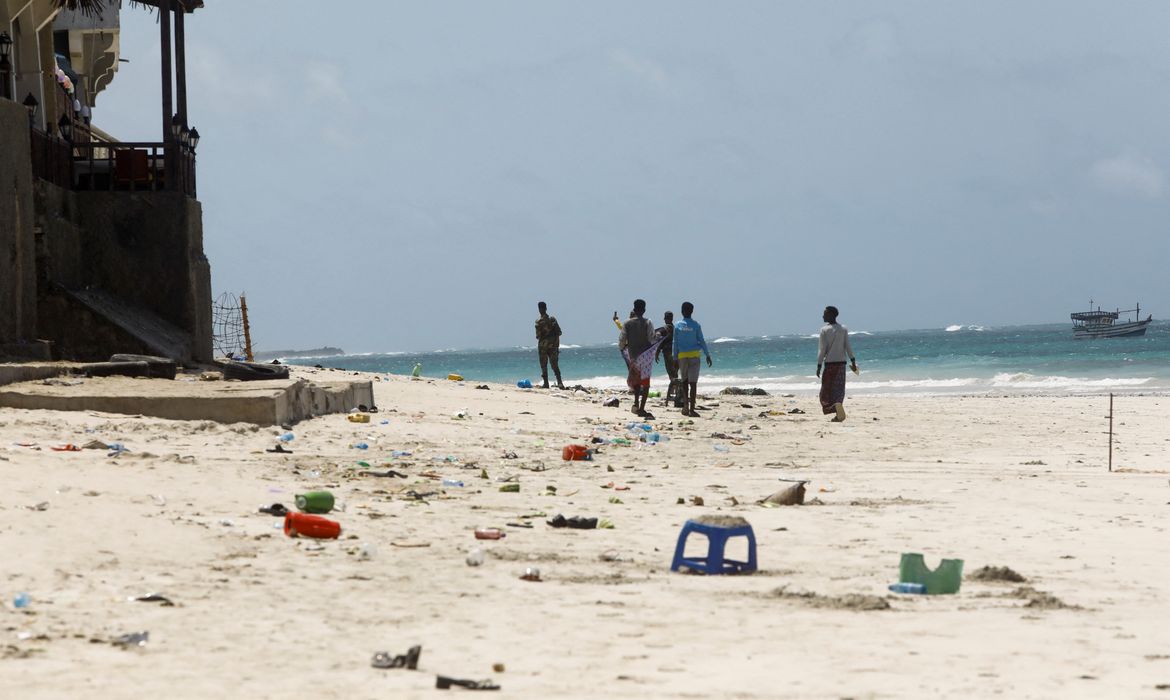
{"x":833,"y":349}
{"x":548,"y":344}
{"x":638,"y":343}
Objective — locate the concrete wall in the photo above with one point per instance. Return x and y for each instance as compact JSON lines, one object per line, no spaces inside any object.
{"x":147,"y":248}
{"x":144,"y":248}
{"x":18,"y":311}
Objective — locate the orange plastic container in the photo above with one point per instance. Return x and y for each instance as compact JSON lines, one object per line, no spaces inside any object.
{"x":575,"y":452}
{"x":305,"y":525}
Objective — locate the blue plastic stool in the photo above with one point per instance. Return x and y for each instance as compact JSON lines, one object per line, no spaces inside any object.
{"x":717,"y":536}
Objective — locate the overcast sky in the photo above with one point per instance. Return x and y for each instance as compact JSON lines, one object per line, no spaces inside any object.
{"x":417,"y":175}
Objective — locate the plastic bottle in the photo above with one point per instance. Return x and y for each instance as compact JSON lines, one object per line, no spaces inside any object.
{"x":910,"y":588}
{"x":361,"y":446}
{"x":21,"y":601}
{"x":653,"y":437}
{"x":455,"y":483}
{"x":400,"y":453}
{"x":287,"y":437}
{"x":315,"y":502}
{"x":489,"y":533}
{"x":417,"y":371}
{"x":722,"y":448}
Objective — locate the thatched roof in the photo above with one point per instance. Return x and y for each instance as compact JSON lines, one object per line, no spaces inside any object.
{"x":95,"y":7}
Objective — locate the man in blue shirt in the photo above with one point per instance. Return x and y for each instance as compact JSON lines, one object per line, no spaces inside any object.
{"x":688,"y":341}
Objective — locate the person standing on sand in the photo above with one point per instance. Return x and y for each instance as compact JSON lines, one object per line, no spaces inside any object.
{"x":637,"y":343}
{"x":548,"y":344}
{"x":667,"y":350}
{"x":688,"y":341}
{"x":833,"y":348}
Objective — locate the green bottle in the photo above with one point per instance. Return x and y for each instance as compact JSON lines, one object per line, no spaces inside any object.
{"x":315,"y":502}
{"x":417,"y":370}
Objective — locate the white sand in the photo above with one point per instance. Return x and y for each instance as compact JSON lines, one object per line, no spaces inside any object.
{"x":259,"y":615}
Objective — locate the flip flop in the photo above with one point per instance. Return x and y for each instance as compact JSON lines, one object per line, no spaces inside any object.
{"x":445,"y":683}
{"x":66,"y":448}
{"x":275,"y":509}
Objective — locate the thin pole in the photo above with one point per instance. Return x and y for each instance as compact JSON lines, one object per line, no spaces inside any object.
{"x":1110,"y":432}
{"x":164,"y":38}
{"x":180,"y":64}
{"x":248,"y":330}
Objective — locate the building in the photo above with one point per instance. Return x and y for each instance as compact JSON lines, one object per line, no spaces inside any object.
{"x":101,"y":240}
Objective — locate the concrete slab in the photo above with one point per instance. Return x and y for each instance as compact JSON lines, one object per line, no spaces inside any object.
{"x":274,"y":402}
{"x":30,"y":371}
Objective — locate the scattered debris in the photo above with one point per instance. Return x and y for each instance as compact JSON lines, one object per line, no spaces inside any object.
{"x":133,"y":639}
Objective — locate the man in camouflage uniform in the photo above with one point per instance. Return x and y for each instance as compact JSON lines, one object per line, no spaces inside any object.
{"x":548,"y":342}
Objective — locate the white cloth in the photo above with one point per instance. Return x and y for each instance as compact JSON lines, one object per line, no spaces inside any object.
{"x":834,"y":344}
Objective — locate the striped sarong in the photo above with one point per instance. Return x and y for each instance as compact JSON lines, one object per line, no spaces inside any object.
{"x":832,"y":386}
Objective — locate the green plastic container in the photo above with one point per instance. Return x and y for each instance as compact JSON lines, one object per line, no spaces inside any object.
{"x":315,"y":502}
{"x":945,"y":579}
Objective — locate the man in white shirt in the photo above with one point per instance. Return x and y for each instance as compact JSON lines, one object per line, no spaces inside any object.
{"x":833,"y":349}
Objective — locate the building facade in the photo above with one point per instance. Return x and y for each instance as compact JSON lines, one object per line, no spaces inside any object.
{"x":101,"y":241}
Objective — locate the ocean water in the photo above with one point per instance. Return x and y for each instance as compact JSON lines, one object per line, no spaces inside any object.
{"x":958,"y":359}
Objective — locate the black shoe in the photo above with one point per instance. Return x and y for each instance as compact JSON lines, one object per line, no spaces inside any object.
{"x":275,"y":509}
{"x":445,"y":683}
{"x":408,"y":660}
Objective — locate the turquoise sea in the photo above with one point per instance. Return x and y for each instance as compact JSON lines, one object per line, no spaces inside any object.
{"x":959,"y":359}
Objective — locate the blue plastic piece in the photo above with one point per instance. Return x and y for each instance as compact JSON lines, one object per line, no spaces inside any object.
{"x":524,"y":383}
{"x":714,"y":562}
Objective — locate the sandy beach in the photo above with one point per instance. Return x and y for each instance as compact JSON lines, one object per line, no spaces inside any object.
{"x":1017,"y":482}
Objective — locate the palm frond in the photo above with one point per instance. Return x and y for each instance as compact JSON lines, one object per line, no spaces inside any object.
{"x":85,"y":7}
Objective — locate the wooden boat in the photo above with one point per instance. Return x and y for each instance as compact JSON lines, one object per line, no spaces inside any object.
{"x":1104,"y":324}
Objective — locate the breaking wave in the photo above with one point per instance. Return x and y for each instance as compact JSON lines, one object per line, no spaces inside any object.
{"x":1000,"y":383}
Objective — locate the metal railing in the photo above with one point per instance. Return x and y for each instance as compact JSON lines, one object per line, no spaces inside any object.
{"x":51,"y":159}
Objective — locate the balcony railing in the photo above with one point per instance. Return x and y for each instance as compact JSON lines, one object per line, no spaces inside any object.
{"x":96,"y":164}
{"x":132,"y":166}
{"x":51,"y":159}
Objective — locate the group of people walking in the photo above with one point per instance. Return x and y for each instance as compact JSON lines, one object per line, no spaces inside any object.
{"x":682,"y":345}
